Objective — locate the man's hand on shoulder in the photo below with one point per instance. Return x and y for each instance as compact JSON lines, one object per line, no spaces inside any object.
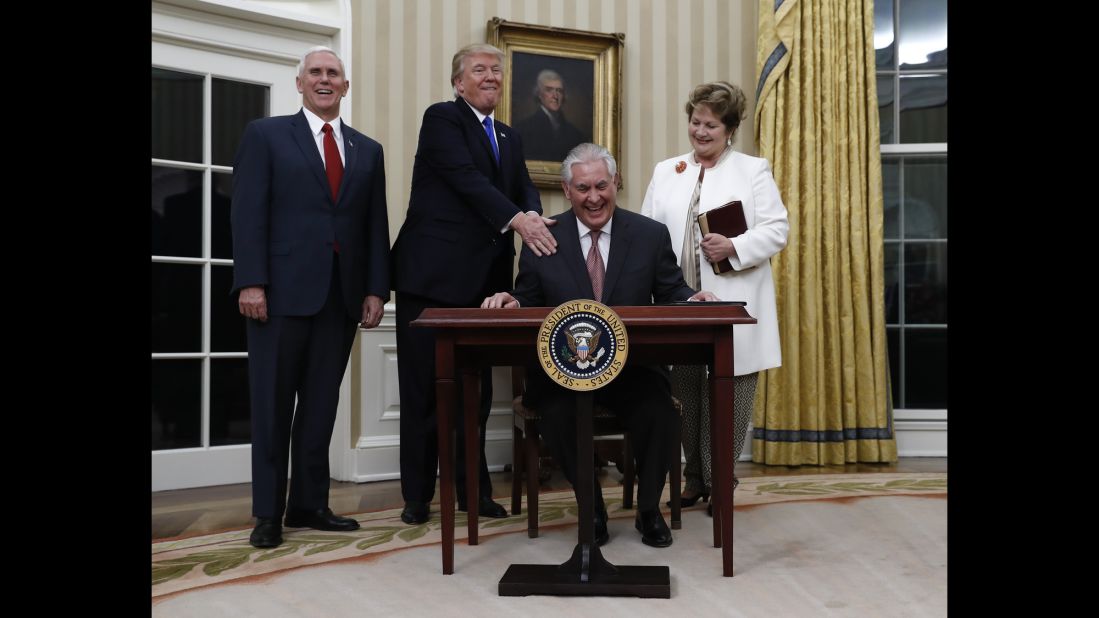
{"x":536,"y":235}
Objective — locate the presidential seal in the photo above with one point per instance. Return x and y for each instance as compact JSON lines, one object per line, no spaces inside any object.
{"x":582,"y":345}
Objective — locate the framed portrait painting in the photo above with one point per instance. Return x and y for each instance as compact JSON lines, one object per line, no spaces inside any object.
{"x":562,"y":87}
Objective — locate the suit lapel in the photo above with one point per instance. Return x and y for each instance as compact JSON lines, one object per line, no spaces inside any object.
{"x":620,"y":248}
{"x":304,"y":137}
{"x":479,"y":131}
{"x":350,"y":155}
{"x":503,"y":142}
{"x":568,"y":245}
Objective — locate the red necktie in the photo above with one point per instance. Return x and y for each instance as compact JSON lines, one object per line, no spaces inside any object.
{"x":333,"y":166}
{"x":595,"y":266}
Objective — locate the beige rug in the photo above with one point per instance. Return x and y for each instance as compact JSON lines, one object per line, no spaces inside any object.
{"x":805,"y":545}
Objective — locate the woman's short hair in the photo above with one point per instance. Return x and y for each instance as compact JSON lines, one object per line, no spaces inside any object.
{"x":724,"y":100}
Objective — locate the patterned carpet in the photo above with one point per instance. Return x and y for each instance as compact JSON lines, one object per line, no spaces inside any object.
{"x":185,"y":565}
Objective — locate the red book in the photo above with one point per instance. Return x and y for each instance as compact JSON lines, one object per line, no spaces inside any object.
{"x":727,"y":220}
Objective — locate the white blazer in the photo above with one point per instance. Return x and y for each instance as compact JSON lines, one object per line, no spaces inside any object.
{"x":748,"y":179}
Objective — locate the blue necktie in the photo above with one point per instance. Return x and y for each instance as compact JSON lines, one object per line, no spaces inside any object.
{"x":491,"y":137}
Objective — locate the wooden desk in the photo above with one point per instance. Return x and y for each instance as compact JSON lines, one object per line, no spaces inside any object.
{"x":687,"y":334}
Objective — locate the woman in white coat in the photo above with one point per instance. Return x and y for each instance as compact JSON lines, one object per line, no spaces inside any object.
{"x":711,"y":175}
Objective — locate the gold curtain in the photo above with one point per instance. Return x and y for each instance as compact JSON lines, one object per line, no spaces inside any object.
{"x":816,"y":121}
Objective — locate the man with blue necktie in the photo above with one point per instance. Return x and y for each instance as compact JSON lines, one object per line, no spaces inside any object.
{"x":470,"y":192}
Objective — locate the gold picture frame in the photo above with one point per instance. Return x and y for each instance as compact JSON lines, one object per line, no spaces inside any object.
{"x":589,"y":64}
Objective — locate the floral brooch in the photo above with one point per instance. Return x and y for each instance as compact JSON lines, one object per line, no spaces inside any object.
{"x":679,"y":167}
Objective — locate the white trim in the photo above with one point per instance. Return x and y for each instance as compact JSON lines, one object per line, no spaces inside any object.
{"x":937,"y":148}
{"x":272,"y":13}
{"x":918,"y":415}
{"x":201,"y":467}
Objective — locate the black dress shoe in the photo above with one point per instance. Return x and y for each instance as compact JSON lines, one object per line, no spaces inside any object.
{"x":320,"y":519}
{"x":601,"y":535}
{"x":414,"y":512}
{"x":486,"y":508}
{"x":267,"y":533}
{"x":654,"y":531}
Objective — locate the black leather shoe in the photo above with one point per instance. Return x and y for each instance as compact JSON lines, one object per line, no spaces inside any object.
{"x":320,"y":519}
{"x":414,"y":512}
{"x":267,"y":533}
{"x":654,"y":531}
{"x":601,"y":535}
{"x":487,"y":508}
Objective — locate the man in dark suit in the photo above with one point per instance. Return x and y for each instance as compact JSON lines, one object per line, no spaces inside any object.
{"x":640,"y":269}
{"x":310,"y":261}
{"x":470,"y":190}
{"x":549,"y":134}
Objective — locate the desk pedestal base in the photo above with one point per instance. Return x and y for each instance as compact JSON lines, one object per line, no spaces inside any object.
{"x":586,"y":578}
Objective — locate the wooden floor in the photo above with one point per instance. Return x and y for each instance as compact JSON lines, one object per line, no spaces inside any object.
{"x":188,"y":512}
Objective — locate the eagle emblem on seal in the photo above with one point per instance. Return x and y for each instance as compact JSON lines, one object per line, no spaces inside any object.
{"x":583,"y":342}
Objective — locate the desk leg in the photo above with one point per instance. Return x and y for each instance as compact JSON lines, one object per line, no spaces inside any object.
{"x":445,"y":395}
{"x":716,"y":485}
{"x":471,"y":395}
{"x":723,"y":460}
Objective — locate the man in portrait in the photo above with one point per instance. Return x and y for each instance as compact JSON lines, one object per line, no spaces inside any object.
{"x":547,"y":134}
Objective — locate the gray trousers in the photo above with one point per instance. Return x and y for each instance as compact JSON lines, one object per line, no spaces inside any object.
{"x":691,"y":387}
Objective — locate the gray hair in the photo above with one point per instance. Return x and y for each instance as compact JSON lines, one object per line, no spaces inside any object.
{"x":544,"y":76}
{"x":314,"y":50}
{"x":458,"y":62}
{"x":586,"y":153}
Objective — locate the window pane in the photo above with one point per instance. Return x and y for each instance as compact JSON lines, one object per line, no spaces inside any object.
{"x":177,"y":115}
{"x":885,"y":109}
{"x":234,"y":105}
{"x":176,"y":217}
{"x":221,"y":241}
{"x":892,"y":283}
{"x":925,"y":198}
{"x":923,"y":34}
{"x":230,"y":421}
{"x":226,"y":323}
{"x":925,"y":283}
{"x":925,"y":368}
{"x":893,"y":340}
{"x":923,"y":109}
{"x":891,"y":196}
{"x":884,"y":43}
{"x":176,"y":308}
{"x":177,"y":406}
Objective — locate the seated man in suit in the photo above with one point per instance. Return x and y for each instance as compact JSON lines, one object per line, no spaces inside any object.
{"x":641,"y":269}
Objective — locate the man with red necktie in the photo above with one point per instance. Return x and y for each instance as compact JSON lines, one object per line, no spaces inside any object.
{"x":310,"y":263}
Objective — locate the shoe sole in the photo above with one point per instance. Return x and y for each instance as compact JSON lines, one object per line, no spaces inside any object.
{"x":325,"y":528}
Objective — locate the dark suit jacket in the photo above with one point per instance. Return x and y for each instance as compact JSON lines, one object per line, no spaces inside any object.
{"x":642,"y":270}
{"x":450,"y":248}
{"x":642,"y":267}
{"x":545,"y":144}
{"x":285,"y":221}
